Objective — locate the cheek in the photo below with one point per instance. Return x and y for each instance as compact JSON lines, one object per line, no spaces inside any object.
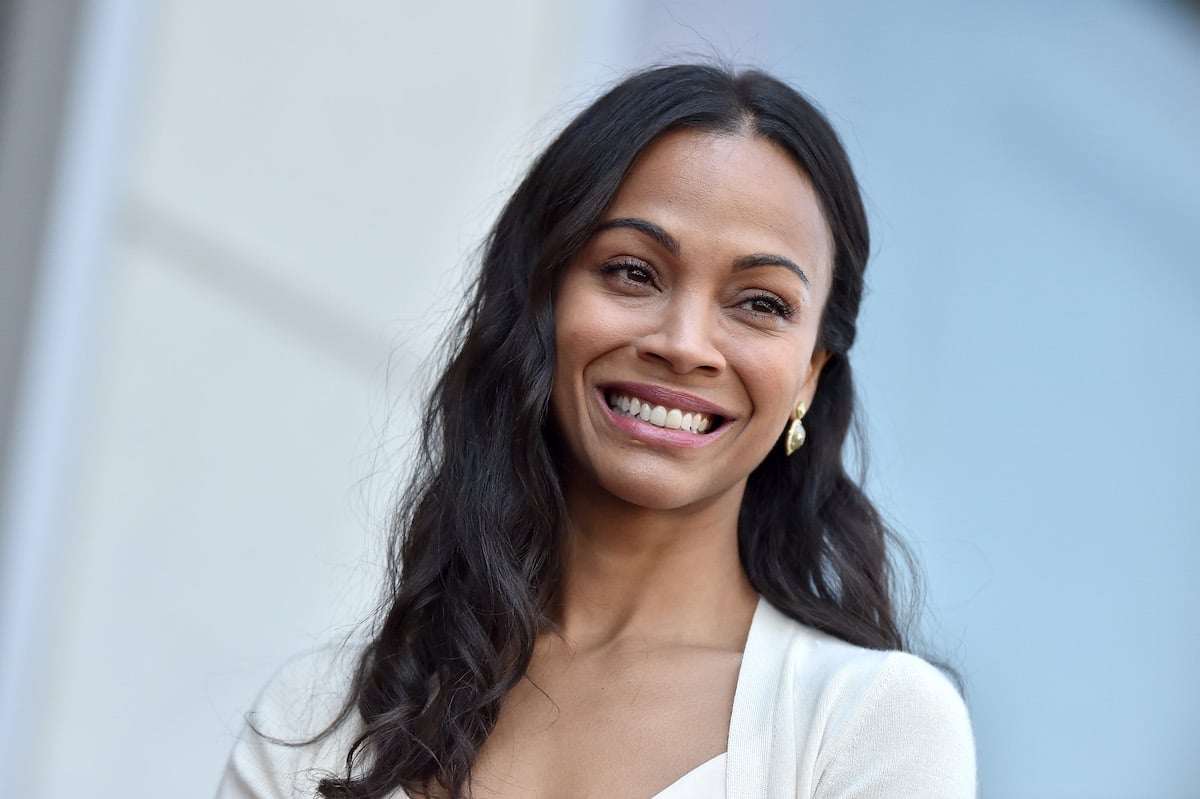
{"x":568,"y":335}
{"x":575,"y":341}
{"x":773,"y":396}
{"x":589,"y":325}
{"x":574,"y":345}
{"x":773,"y":378}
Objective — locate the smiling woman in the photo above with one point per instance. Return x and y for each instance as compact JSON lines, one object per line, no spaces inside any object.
{"x":691,"y":289}
{"x":613,"y":571}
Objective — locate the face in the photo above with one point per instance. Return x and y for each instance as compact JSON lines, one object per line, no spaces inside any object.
{"x":686,"y":329}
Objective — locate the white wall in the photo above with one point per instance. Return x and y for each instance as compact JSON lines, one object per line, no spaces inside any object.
{"x":299,"y":191}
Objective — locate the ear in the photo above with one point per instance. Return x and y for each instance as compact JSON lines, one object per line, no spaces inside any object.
{"x":809,"y":389}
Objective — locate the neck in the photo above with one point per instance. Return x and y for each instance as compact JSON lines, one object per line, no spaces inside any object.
{"x":671,"y":576}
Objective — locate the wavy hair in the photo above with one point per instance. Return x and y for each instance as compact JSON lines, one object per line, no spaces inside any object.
{"x":475,"y":557}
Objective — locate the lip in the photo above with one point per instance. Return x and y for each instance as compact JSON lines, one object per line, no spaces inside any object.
{"x":662,"y":436}
{"x":668,"y":398}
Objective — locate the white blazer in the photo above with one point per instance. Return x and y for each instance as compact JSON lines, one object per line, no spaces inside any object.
{"x":813,"y":716}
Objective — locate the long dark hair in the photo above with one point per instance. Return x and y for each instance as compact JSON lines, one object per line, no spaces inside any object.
{"x":475,"y":558}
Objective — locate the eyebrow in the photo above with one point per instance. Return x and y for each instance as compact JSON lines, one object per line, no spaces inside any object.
{"x":670,"y":243}
{"x":642,"y":226}
{"x":766,"y":259}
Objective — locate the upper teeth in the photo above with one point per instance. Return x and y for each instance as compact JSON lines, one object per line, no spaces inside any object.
{"x":672,"y":418}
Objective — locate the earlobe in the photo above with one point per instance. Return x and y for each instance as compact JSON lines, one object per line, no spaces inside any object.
{"x":809,"y":389}
{"x":795,"y":434}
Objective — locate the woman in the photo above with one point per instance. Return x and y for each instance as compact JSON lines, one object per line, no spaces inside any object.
{"x":623,"y":568}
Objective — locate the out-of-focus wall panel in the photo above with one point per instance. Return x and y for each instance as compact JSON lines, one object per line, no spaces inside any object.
{"x":357,"y":155}
{"x":36,"y":58}
{"x":215,"y":525}
{"x":304,"y":189}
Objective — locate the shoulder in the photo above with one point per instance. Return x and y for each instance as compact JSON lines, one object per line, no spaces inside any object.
{"x":858,"y":683}
{"x":901,"y":725}
{"x":865,"y":722}
{"x":282,"y":750}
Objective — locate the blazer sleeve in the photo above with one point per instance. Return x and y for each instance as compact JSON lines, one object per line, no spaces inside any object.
{"x":909,"y":736}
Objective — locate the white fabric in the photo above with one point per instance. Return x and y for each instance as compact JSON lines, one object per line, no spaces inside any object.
{"x":813,"y":716}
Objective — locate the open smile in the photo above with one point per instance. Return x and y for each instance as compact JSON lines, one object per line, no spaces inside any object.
{"x":659,"y":415}
{"x":680,"y":419}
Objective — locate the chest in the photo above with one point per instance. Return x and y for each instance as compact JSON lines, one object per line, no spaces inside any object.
{"x":621,"y":724}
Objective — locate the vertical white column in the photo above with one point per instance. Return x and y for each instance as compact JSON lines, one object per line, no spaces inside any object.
{"x":77,"y":227}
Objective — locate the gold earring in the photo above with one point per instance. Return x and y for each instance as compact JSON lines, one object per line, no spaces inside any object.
{"x":795,"y":432}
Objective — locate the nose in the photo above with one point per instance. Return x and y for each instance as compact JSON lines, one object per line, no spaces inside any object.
{"x":684,"y":337}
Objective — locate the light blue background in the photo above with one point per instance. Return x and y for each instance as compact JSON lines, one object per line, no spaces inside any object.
{"x":1028,"y":357}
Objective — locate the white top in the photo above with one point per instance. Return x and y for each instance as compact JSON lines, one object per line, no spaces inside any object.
{"x":813,"y":716}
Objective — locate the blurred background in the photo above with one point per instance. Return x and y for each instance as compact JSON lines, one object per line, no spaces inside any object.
{"x":230,"y":233}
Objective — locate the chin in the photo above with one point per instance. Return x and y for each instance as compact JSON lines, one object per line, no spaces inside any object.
{"x":664,"y":495}
{"x":650,"y":499}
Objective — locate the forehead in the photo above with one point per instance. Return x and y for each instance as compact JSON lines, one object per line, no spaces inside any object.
{"x":741,"y":189}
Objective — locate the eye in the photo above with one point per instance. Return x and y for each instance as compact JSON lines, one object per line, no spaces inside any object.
{"x":768,"y":305}
{"x":630,"y":271}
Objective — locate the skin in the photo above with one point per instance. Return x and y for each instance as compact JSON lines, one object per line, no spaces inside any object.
{"x":655,"y":607}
